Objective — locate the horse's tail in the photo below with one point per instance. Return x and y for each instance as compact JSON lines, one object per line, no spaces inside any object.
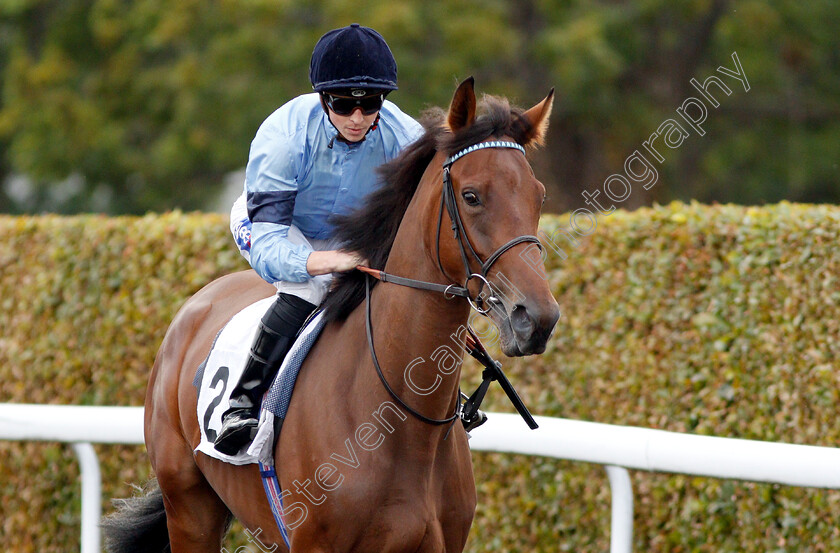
{"x":139,"y":525}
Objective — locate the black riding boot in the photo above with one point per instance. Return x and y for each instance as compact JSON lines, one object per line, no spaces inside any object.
{"x":274,"y":338}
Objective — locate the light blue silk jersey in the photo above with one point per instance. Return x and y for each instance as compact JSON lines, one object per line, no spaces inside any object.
{"x":298,"y":174}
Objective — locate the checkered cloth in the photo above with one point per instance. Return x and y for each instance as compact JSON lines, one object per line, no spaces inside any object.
{"x":279,"y":395}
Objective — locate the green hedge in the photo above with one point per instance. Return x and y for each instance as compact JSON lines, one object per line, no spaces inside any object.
{"x":717,"y":320}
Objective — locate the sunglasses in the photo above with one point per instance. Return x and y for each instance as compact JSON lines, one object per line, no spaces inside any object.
{"x":342,"y":105}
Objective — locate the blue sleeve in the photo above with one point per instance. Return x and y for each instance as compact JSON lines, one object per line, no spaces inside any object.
{"x":271,"y":186}
{"x":414,"y":131}
{"x":403,"y":129}
{"x":274,"y":257}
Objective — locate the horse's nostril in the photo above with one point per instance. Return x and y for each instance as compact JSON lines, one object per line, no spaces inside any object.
{"x":521,"y":322}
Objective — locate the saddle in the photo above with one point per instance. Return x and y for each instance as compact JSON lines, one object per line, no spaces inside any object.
{"x":217,"y":375}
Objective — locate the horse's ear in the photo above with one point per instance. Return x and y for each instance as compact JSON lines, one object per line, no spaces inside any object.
{"x":537,"y":117}
{"x":462,"y":109}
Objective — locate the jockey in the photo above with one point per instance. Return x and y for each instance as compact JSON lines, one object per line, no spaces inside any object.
{"x":312,"y":158}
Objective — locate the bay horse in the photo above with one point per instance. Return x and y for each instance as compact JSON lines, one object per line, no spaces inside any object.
{"x":362,"y":472}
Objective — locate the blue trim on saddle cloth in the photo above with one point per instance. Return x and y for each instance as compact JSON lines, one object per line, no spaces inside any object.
{"x":275,"y":498}
{"x":279,"y":396}
{"x":276,"y":401}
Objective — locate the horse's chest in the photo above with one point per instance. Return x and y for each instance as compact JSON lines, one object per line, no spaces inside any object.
{"x":397,"y":518}
{"x":403,"y":529}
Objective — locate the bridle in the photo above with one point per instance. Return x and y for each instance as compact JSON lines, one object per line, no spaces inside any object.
{"x":448,"y":200}
{"x":465,"y":247}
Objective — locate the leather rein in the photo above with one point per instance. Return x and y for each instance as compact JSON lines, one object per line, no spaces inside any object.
{"x":476,"y":349}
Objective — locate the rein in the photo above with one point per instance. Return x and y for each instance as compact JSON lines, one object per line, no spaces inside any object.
{"x":493,"y":369}
{"x":397,"y":398}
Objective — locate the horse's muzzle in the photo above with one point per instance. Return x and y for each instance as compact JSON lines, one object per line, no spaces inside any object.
{"x":527,"y":328}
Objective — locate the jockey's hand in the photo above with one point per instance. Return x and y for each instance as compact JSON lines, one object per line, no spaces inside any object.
{"x":333,"y":261}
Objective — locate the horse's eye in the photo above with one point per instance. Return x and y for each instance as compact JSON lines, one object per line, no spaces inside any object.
{"x":471,"y":198}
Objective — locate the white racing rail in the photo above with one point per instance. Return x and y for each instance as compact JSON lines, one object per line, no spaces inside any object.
{"x":616,"y":447}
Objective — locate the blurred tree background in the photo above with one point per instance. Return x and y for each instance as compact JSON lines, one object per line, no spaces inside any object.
{"x":125,"y":106}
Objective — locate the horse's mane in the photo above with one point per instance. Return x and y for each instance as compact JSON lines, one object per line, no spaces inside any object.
{"x":370,"y":230}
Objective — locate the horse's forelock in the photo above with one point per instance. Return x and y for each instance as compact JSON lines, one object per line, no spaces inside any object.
{"x":496,"y":119}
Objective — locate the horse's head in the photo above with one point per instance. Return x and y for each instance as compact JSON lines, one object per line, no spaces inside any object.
{"x":493,"y":201}
{"x":474,"y":165}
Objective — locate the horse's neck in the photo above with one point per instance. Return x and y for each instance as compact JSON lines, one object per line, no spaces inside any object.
{"x":417,"y":342}
{"x":420,"y":332}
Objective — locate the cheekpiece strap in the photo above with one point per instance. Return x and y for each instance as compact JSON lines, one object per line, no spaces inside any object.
{"x":480,"y":146}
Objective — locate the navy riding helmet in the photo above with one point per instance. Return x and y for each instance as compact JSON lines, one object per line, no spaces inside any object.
{"x":353,"y":57}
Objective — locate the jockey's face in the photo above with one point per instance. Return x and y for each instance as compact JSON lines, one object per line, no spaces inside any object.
{"x":353,"y":127}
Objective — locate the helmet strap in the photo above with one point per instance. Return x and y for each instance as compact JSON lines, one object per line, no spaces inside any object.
{"x":375,"y":124}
